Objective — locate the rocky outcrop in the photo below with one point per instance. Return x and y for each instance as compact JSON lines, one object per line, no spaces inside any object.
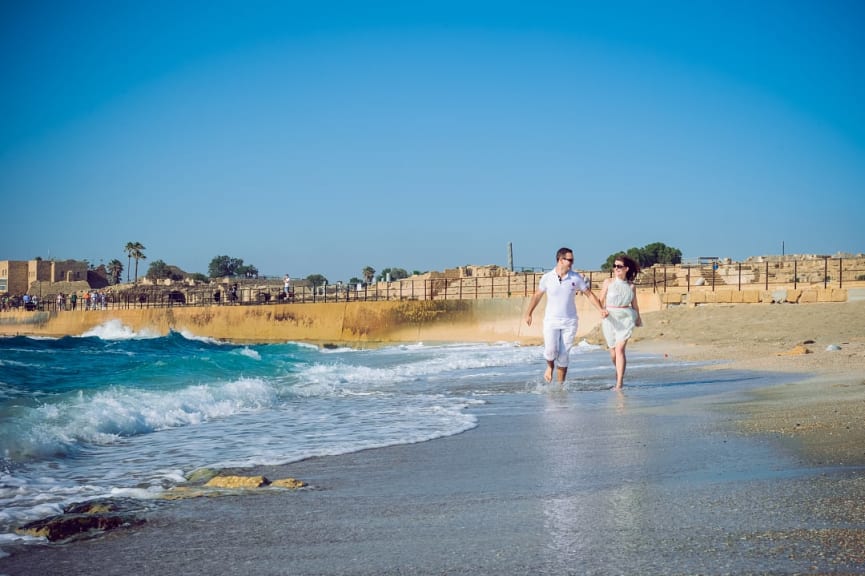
{"x":232,"y":482}
{"x":82,"y":520}
{"x":95,"y":517}
{"x":250,"y":482}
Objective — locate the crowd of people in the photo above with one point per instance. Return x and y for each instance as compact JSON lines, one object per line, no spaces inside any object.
{"x":83,"y":300}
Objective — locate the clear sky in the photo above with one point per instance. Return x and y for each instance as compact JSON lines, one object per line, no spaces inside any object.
{"x":323,"y":137}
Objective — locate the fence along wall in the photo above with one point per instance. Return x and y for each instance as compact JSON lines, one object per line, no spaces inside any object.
{"x":757,"y":274}
{"x":766,"y":273}
{"x":802,"y":280}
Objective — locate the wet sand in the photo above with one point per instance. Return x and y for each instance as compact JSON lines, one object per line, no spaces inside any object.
{"x":767,"y":481}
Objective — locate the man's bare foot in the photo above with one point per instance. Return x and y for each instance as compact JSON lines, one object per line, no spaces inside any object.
{"x":548,"y":374}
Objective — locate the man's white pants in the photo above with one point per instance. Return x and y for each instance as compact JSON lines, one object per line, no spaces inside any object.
{"x":558,"y":339}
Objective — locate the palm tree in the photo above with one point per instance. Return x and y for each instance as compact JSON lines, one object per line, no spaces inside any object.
{"x":116,"y":269}
{"x":368,"y":274}
{"x":138,"y":255}
{"x":129,"y":249}
{"x":134,"y":250}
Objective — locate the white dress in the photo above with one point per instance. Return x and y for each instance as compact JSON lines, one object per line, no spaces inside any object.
{"x":619,"y":324}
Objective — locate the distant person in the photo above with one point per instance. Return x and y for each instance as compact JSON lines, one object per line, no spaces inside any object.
{"x":623,"y":312}
{"x":286,"y":285}
{"x":561,"y":285}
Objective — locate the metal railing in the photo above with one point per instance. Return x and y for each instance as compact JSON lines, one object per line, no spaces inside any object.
{"x":818,"y":272}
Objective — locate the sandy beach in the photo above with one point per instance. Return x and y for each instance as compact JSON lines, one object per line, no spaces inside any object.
{"x":823,"y":413}
{"x":764,"y":481}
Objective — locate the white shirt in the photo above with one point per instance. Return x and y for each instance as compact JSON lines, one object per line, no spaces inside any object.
{"x":561,"y":306}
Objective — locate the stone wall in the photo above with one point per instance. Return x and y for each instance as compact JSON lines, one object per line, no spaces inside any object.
{"x":752,"y":296}
{"x":356,"y":323}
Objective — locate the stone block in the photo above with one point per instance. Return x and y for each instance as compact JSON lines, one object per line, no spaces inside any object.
{"x":724,"y":296}
{"x":671,"y":298}
{"x":793,"y":295}
{"x":750,"y":296}
{"x":808,"y":297}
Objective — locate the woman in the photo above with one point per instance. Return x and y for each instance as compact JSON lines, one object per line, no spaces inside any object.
{"x":623,"y":313}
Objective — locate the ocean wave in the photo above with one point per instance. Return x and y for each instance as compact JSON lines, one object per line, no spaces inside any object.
{"x":195,"y":338}
{"x":71,"y":422}
{"x":114,"y":329}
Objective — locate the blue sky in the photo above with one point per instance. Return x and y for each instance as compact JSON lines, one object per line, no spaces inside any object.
{"x":320,"y":138}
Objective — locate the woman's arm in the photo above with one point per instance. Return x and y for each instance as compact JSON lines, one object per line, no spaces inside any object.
{"x":635,"y":304}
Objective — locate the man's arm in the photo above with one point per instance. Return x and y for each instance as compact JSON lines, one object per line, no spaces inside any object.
{"x":536,"y":297}
{"x":588,"y":292}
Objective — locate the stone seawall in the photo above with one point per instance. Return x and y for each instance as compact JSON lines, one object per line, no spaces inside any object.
{"x":359,"y":322}
{"x":352,"y":323}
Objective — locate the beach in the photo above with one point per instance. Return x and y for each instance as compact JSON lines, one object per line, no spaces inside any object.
{"x":768,"y":479}
{"x":824,"y":413}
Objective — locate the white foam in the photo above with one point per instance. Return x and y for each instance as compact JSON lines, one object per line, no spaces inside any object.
{"x":114,"y":329}
{"x":249,"y":353}
{"x":109,"y":415}
{"x":207,"y":339}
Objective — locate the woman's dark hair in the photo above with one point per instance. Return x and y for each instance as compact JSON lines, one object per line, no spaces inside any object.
{"x":633,"y":267}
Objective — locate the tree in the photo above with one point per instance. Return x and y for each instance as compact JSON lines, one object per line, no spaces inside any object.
{"x":129,"y":249}
{"x":159,"y":270}
{"x":135,"y":250}
{"x":395,"y":274}
{"x":660,"y":253}
{"x":368,"y":274}
{"x":115,"y":269}
{"x":247,"y":271}
{"x":316,"y":279}
{"x":648,"y":256}
{"x":227,"y":266}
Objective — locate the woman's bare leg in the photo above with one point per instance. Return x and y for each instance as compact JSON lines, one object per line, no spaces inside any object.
{"x":621,"y":362}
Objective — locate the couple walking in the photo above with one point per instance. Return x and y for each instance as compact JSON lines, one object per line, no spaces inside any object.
{"x":617,"y":305}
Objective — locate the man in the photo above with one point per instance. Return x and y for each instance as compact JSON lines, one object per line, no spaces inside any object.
{"x":561,"y":285}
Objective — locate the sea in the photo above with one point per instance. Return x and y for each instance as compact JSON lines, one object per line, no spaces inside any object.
{"x":118,"y":413}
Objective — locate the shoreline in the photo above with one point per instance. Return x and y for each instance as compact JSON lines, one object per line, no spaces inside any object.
{"x":820,"y":413}
{"x":507,"y":496}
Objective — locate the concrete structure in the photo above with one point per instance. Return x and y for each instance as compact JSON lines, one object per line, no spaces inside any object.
{"x":17,"y":276}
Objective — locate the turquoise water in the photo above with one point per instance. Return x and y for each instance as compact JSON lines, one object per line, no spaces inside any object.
{"x":118,"y":413}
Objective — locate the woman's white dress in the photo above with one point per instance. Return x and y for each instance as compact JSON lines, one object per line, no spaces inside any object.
{"x":619,"y":324}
